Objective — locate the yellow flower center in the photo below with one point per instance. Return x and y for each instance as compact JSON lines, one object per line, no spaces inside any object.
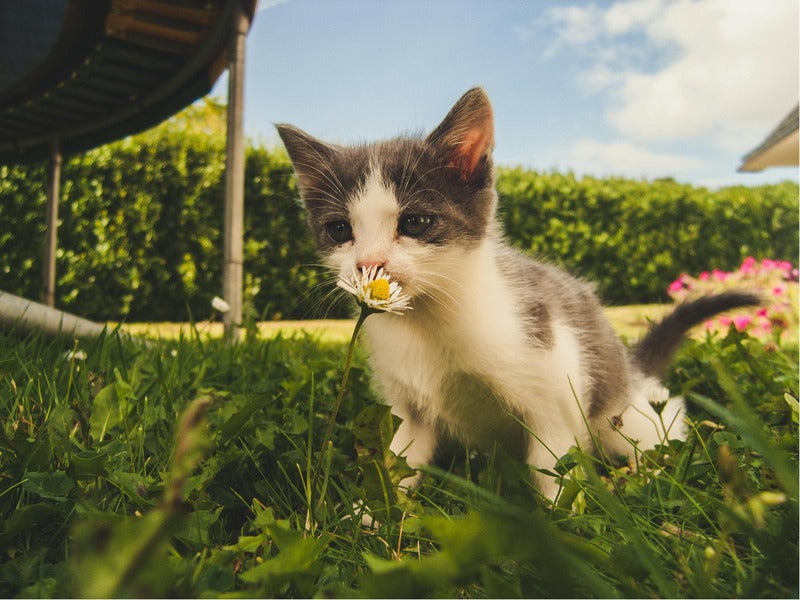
{"x":379,"y":289}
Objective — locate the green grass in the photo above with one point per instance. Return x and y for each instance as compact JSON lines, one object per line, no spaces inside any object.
{"x":190,"y":468}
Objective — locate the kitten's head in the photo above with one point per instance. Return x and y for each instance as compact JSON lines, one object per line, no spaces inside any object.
{"x":411,"y":205}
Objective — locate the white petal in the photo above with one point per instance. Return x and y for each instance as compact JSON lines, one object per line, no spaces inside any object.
{"x":220,"y":304}
{"x":360,"y":286}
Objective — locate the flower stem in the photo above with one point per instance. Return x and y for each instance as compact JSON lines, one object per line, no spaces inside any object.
{"x":365,"y":312}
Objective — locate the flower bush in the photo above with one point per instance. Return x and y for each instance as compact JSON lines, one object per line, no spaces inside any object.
{"x":774,"y":280}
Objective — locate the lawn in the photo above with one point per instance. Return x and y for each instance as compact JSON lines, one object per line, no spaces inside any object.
{"x":329,"y":330}
{"x":186,"y":467}
{"x":629,"y":321}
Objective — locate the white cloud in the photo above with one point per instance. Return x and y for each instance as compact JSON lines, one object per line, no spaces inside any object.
{"x":577,"y":24}
{"x":267,"y":4}
{"x":574,"y":25}
{"x":595,"y":157}
{"x":736,"y":73}
{"x":726,"y":71}
{"x":581,"y":24}
{"x":623,"y":17}
{"x":602,"y":76}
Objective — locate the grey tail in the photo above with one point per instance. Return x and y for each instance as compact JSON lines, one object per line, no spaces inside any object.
{"x":655,"y":350}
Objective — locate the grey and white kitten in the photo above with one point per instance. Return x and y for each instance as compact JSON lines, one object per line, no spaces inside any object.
{"x":495,"y":338}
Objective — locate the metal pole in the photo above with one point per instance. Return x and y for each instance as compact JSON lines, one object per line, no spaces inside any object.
{"x":19,"y":314}
{"x":51,"y":234}
{"x":234,"y":179}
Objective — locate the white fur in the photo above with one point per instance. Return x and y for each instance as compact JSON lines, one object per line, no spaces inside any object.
{"x":460,"y":358}
{"x":639,"y":424}
{"x":476,"y":331}
{"x":373,"y":216}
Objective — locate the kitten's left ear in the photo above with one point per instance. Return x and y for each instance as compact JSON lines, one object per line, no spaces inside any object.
{"x":466,"y":136}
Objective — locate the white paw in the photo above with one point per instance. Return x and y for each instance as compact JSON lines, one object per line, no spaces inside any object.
{"x":367,"y":520}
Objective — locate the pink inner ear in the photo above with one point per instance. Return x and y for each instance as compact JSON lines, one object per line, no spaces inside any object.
{"x":476,"y":143}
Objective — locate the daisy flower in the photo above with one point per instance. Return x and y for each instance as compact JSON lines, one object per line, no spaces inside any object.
{"x":75,"y":355}
{"x":219,"y":304}
{"x":375,"y":291}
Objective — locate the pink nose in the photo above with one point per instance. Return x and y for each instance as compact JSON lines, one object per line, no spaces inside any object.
{"x":369,"y":263}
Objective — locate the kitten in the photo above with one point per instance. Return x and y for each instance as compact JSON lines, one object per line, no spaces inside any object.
{"x":495,"y":338}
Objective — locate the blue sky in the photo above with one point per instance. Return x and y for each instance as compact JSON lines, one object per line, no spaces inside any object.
{"x":639,"y":88}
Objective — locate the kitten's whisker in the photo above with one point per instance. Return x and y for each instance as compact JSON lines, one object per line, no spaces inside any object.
{"x":328,"y":174}
{"x":442,"y":297}
{"x":331,"y":299}
{"x":409,"y":168}
{"x":420,"y":177}
{"x":446,"y":290}
{"x":433,"y":300}
{"x":440,"y":272}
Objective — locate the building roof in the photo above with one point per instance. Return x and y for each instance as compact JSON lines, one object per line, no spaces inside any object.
{"x":86,"y":72}
{"x":779,"y":149}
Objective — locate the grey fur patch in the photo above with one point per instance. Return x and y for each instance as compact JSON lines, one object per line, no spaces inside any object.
{"x":427,"y":176}
{"x":424,"y":185}
{"x":547,"y":294}
{"x":413,"y":170}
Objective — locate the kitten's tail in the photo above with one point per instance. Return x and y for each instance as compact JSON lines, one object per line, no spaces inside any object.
{"x":655,"y":350}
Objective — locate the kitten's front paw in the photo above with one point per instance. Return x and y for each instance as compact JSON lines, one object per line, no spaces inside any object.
{"x":549,"y":487}
{"x":409,"y":484}
{"x":367,"y":520}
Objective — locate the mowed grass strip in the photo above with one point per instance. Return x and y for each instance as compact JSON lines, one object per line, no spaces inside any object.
{"x":630,"y":322}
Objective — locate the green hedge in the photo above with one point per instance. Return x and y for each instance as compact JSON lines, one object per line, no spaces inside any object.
{"x":634,"y":237}
{"x":140,"y":233}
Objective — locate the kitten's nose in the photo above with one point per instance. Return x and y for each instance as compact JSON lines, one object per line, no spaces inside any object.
{"x":369,"y":263}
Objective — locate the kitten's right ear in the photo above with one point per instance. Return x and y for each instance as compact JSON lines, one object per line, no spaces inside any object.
{"x":308,"y":155}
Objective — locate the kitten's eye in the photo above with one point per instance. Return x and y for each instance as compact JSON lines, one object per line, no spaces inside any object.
{"x":414,"y":225}
{"x":339,"y":231}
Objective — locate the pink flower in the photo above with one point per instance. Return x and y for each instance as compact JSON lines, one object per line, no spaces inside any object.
{"x":720,"y":275}
{"x":677,"y":285}
{"x":773,"y":277}
{"x":742,"y":322}
{"x":748,"y":265}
